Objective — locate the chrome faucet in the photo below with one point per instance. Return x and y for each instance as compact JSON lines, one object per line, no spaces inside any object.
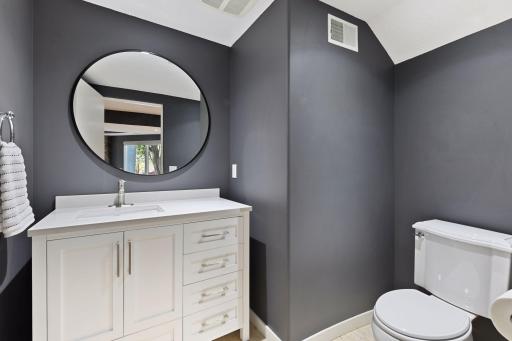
{"x":120,"y":200}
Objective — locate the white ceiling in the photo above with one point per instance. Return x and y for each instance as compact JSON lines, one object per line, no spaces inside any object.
{"x":190,"y":16}
{"x":406,"y":28}
{"x":143,"y":72}
{"x":409,"y":28}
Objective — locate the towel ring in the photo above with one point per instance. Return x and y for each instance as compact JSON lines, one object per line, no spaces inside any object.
{"x":10,"y":117}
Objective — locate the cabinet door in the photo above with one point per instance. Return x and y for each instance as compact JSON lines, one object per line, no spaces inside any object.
{"x":85,"y":288}
{"x":153,"y":277}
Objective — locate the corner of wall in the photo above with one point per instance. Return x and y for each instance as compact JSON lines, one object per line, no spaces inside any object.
{"x":259,"y":115}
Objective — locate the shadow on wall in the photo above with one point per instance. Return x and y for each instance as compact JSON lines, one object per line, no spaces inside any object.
{"x":16,"y":303}
{"x":258,"y":265}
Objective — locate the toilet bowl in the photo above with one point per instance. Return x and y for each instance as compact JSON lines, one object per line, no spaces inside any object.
{"x":410,"y":315}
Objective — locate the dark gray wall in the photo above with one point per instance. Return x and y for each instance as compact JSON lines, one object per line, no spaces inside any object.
{"x":16,"y":69}
{"x":259,"y":145}
{"x":341,"y":172}
{"x":453,"y":140}
{"x":64,"y":45}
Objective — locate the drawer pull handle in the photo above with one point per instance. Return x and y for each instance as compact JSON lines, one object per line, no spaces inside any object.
{"x":206,"y":325}
{"x":205,"y":267}
{"x":218,"y":236}
{"x":207,"y":296}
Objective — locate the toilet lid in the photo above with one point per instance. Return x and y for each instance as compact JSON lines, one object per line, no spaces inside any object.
{"x":414,"y":314}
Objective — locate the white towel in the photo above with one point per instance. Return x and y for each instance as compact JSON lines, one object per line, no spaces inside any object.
{"x":15,"y":210}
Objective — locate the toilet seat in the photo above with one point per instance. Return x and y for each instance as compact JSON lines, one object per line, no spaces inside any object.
{"x":383,"y":333}
{"x":414,"y":315}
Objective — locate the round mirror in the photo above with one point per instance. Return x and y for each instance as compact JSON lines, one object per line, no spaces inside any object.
{"x":140,"y":113}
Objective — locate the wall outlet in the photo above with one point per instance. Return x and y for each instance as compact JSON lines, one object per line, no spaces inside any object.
{"x":234,"y":171}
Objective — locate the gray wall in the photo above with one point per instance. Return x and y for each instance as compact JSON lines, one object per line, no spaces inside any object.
{"x":259,"y":145}
{"x":341,"y":172}
{"x":16,"y":68}
{"x":453,"y":140}
{"x":64,"y":45}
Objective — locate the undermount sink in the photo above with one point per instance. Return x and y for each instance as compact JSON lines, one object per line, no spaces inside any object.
{"x":118,"y":211}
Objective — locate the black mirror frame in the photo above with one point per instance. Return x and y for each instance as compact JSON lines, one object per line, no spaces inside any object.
{"x":75,"y":126}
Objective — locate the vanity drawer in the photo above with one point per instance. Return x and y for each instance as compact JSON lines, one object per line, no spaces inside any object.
{"x":208,"y":264}
{"x":207,"y":235}
{"x":212,"y":292}
{"x":213,"y":323}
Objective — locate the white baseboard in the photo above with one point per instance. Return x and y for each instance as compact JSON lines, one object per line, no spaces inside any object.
{"x":343,"y":327}
{"x":328,"y":334}
{"x":263,"y":328}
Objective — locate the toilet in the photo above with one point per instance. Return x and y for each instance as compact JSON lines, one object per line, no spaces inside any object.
{"x":463,"y":268}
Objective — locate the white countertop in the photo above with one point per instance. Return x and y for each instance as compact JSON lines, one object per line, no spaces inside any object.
{"x":73,"y":211}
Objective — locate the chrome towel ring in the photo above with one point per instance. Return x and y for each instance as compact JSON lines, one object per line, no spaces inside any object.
{"x":10,"y":116}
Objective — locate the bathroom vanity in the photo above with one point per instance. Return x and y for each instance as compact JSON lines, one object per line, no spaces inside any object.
{"x":174,"y":266}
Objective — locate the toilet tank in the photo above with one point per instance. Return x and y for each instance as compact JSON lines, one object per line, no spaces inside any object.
{"x":465,"y":266}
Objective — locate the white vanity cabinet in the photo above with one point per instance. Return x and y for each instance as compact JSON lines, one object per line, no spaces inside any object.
{"x":178,"y":276}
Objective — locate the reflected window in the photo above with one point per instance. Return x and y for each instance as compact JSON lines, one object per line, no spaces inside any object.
{"x":144,"y":158}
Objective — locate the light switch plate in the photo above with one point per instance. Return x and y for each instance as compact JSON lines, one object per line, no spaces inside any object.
{"x":234,"y":171}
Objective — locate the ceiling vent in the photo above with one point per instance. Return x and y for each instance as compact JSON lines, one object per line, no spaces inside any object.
{"x":342,"y":33}
{"x":234,"y":7}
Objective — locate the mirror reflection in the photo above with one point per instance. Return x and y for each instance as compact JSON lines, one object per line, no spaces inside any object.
{"x":140,"y":113}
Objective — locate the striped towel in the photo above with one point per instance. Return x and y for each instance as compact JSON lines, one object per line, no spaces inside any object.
{"x":15,"y":210}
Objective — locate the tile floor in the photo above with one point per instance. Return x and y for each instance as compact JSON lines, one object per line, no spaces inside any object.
{"x":361,"y":334}
{"x":235,"y":336}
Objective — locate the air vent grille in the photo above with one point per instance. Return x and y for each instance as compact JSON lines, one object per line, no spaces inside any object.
{"x":336,"y":30}
{"x":342,"y":33}
{"x":234,"y":7}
